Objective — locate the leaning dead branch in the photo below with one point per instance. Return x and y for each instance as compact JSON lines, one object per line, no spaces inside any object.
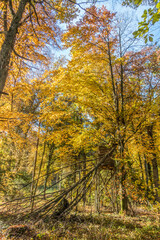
{"x":58,"y":203}
{"x":53,"y":204}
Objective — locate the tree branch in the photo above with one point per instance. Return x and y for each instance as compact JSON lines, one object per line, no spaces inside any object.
{"x":30,"y":16}
{"x":35,"y":12}
{"x":5,"y":17}
{"x":11,"y":8}
{"x":21,"y":56}
{"x":4,"y":93}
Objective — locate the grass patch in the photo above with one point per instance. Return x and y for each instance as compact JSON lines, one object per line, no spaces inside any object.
{"x":95,"y":227}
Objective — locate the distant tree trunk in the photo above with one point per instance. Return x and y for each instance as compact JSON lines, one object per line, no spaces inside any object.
{"x":51,"y":150}
{"x":75,"y":175}
{"x":150,"y":174}
{"x":146,"y":174}
{"x":124,"y":204}
{"x":155,"y":176}
{"x":141,"y":166}
{"x":154,"y":162}
{"x":60,"y":178}
{"x":83,"y":156}
{"x":117,"y":190}
{"x":33,"y":176}
{"x":97,"y":192}
{"x":113,"y":193}
{"x":40,"y":167}
{"x":78,"y":173}
{"x":124,"y":194}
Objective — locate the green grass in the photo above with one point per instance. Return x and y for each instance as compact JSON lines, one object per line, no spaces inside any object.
{"x":84,"y":226}
{"x":105,"y":226}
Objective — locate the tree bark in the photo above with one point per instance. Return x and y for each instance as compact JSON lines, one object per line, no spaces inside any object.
{"x":124,"y":203}
{"x":33,"y":176}
{"x":97,"y":192}
{"x":51,"y":150}
{"x":40,"y":167}
{"x":9,"y":42}
{"x":154,"y":162}
{"x":155,"y":176}
{"x":84,"y":174}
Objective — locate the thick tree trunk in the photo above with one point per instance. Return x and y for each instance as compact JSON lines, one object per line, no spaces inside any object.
{"x":9,"y":42}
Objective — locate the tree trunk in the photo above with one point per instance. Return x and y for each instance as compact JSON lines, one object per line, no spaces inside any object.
{"x":84,"y":174}
{"x":155,"y":177}
{"x":141,"y":166}
{"x":154,"y":162}
{"x":33,"y":176}
{"x":39,"y":172}
{"x":51,"y":149}
{"x":146,"y":173}
{"x":97,"y":192}
{"x":9,"y":42}
{"x":124,"y":204}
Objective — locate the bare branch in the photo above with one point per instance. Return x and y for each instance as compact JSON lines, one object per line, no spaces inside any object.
{"x":4,"y":93}
{"x":25,"y":19}
{"x":21,"y":56}
{"x":11,"y":8}
{"x":30,"y":16}
{"x":35,"y":12}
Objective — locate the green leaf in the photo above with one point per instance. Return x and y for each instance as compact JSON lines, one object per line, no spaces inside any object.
{"x":138,"y":2}
{"x":146,"y":40}
{"x":156,"y":18}
{"x":144,"y":14}
{"x":150,"y":39}
{"x":135,"y":33}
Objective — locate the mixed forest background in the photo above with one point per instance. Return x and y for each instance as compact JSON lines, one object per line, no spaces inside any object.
{"x":82,"y":131}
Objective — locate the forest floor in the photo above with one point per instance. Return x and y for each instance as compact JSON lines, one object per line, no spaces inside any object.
{"x":85,"y":226}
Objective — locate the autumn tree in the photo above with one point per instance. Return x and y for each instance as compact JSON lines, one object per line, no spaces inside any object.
{"x":105,"y":96}
{"x":101,"y":76}
{"x":26,"y":27}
